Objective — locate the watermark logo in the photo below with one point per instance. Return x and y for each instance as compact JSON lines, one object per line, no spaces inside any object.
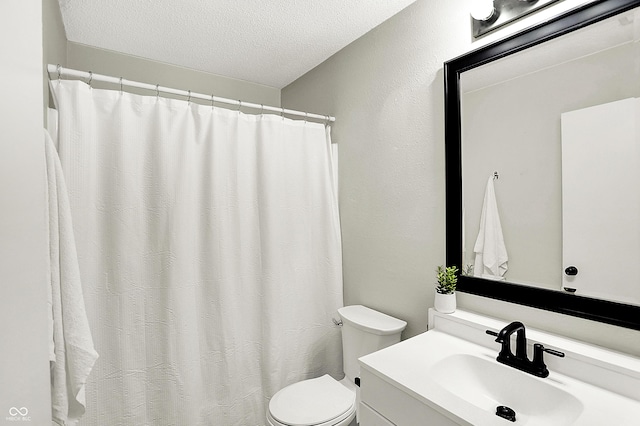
{"x":18,"y":415}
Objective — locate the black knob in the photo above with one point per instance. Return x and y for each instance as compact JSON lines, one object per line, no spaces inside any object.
{"x":571,"y":270}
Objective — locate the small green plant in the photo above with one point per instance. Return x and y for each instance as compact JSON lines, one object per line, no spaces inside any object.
{"x":467,"y":270}
{"x":447,"y":279}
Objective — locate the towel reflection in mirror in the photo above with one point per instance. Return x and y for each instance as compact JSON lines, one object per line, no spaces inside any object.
{"x":490,"y":251}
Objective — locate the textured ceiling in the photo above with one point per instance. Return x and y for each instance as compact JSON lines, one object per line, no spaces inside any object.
{"x":271,"y":42}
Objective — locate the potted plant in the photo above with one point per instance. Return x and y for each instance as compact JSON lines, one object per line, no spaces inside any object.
{"x":445,"y":300}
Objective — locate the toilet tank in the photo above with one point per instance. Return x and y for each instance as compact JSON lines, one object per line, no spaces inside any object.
{"x":365,"y":331}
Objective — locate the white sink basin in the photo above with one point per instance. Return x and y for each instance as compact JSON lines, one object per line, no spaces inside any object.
{"x":487,"y":384}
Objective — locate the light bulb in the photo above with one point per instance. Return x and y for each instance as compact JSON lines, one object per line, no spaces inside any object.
{"x":481,"y":10}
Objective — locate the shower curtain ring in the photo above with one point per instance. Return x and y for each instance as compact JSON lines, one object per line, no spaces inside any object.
{"x":120,"y":84}
{"x":189,"y":98}
{"x":90,"y":77}
{"x":158,"y":91}
{"x":59,"y":69}
{"x":239,"y":105}
{"x":282,"y":113}
{"x":306,"y":114}
{"x":212,"y":101}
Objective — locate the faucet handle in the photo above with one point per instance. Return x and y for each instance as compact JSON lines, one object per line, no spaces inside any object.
{"x":549,"y":351}
{"x":539,"y":368}
{"x":492,"y":333}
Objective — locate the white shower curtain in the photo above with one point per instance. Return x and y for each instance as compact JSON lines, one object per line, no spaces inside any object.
{"x":209,"y":250}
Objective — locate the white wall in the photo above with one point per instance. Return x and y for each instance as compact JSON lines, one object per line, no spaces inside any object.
{"x":386,"y":91}
{"x":24,"y":365}
{"x":54,"y":43}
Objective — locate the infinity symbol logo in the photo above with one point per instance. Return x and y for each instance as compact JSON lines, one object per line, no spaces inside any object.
{"x":13,"y":411}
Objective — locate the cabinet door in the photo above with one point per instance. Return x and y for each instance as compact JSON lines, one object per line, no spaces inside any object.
{"x":369,"y":417}
{"x":601,"y":200}
{"x":396,"y":406}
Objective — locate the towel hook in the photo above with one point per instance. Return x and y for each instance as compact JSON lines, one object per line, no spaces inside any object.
{"x":496,"y":176}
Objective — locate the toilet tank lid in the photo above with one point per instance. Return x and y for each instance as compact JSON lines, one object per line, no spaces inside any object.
{"x":371,"y":321}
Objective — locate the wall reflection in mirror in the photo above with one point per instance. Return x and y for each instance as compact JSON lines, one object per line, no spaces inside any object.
{"x":558,"y":122}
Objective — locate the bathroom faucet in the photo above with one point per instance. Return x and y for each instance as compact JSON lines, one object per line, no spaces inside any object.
{"x":537,"y":367}
{"x":504,"y":337}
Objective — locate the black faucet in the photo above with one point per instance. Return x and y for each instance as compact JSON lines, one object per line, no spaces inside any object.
{"x":537,"y":367}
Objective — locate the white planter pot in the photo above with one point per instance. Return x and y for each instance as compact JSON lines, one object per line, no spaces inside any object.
{"x":445,"y":303}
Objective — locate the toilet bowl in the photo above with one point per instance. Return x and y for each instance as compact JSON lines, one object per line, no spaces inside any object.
{"x":325,"y":401}
{"x":322,"y":401}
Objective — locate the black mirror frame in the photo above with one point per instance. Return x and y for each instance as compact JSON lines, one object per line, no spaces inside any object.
{"x":618,"y":314}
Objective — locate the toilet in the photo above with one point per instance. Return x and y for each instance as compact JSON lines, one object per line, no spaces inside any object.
{"x":324,"y":401}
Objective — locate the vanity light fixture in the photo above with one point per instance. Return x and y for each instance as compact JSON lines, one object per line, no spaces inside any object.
{"x":482,"y":10}
{"x":487,"y":15}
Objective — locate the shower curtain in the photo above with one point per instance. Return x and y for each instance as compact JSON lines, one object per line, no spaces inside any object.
{"x":209,"y":251}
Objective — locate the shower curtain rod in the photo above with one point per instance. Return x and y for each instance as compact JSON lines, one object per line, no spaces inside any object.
{"x":68,"y":72}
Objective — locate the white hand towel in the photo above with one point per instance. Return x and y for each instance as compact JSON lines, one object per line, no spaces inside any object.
{"x":491,"y":253}
{"x":73,"y":352}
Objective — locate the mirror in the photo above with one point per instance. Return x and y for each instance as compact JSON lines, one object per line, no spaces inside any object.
{"x":550,"y":120}
{"x":510,"y":108}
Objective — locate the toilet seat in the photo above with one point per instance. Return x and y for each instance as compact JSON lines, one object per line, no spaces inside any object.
{"x":322,"y":401}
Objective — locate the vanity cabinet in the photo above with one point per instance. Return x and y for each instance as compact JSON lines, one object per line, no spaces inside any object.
{"x":384,"y":404}
{"x":370,"y":417}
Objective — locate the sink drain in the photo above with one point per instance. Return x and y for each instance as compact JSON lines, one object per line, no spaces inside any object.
{"x":506,"y":413}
